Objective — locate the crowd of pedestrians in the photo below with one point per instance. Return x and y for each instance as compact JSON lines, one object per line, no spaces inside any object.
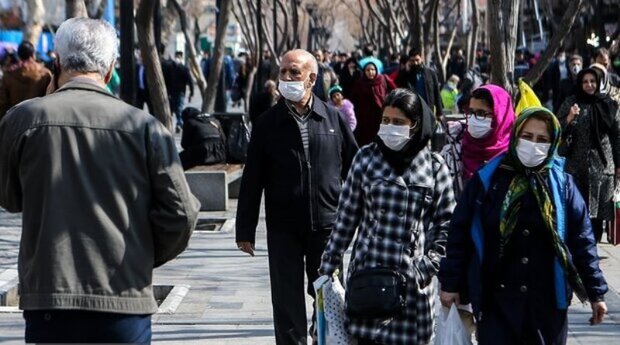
{"x":502,"y":221}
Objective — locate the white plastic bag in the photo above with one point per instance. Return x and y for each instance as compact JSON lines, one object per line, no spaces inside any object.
{"x":331,"y":328}
{"x":450,"y":329}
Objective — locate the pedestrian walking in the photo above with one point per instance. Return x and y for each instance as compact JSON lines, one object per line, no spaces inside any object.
{"x":345,"y":106}
{"x":490,"y":118}
{"x":349,"y":74}
{"x":569,"y":84}
{"x":422,"y":80}
{"x":520,"y":242}
{"x":23,"y":80}
{"x":326,"y":78}
{"x":180,"y":82}
{"x":103,"y":196}
{"x":367,"y":96}
{"x":591,"y":145}
{"x":299,"y":154}
{"x":450,"y":94}
{"x":398,"y":200}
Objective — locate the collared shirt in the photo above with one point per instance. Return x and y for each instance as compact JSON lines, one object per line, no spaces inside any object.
{"x":302,"y":122}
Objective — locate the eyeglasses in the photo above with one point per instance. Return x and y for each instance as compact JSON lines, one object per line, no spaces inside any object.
{"x":479,"y":114}
{"x":398,"y":122}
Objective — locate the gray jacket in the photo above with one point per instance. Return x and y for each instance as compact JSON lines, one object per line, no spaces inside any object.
{"x":103,"y":196}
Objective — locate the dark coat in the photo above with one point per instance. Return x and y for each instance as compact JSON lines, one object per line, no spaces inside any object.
{"x":528,"y":262}
{"x":300,"y":195}
{"x":433,"y":99}
{"x":367,"y":97}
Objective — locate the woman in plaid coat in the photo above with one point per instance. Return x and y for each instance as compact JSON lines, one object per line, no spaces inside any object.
{"x":399,"y":197}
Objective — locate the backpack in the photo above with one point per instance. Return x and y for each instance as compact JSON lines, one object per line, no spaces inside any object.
{"x":203,"y":141}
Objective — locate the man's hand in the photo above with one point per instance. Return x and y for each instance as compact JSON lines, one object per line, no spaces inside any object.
{"x":599,"y":309}
{"x":449,"y":298}
{"x":246,"y":247}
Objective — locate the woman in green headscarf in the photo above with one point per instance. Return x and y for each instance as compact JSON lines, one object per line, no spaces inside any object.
{"x":520,"y":242}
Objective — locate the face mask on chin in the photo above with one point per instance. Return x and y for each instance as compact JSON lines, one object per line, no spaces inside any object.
{"x":294,"y":91}
{"x":532,"y":154}
{"x":394,"y":137}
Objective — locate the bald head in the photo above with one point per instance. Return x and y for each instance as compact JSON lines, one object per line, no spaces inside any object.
{"x":304,"y":58}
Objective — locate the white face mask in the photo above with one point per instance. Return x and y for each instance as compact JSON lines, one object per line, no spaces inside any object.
{"x":394,"y":137}
{"x":576,"y":69}
{"x":479,"y":128}
{"x":294,"y":91}
{"x":532,"y":154}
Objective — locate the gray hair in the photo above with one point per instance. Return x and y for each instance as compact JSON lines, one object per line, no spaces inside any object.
{"x":86,"y":45}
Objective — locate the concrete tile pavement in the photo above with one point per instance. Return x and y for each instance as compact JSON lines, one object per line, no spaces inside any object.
{"x":229,"y":301}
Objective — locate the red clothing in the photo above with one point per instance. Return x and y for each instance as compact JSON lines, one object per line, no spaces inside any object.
{"x":367,"y":97}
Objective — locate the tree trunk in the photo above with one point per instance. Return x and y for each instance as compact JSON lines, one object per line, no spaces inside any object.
{"x":75,"y":8}
{"x":501,"y":24}
{"x":218,"y":56}
{"x":565,"y":25}
{"x":191,"y":53}
{"x":472,"y":38}
{"x":152,"y":65}
{"x":35,"y":21}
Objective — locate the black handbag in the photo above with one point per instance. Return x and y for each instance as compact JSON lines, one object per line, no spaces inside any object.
{"x":376,"y":293}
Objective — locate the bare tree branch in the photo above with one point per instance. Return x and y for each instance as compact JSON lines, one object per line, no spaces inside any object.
{"x":567,"y":21}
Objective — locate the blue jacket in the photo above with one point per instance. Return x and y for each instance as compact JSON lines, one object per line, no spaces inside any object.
{"x":461,"y":269}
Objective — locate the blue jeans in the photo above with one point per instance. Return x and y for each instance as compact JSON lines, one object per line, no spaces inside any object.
{"x":78,"y":326}
{"x":177,"y":103}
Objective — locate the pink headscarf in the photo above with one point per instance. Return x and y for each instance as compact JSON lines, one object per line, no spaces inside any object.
{"x":476,"y":152}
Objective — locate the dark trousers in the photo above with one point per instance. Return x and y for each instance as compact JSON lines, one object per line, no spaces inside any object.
{"x":177,"y":103}
{"x":142,"y":97}
{"x":598,"y":228}
{"x":548,"y":329}
{"x":290,"y":255}
{"x":77,"y":326}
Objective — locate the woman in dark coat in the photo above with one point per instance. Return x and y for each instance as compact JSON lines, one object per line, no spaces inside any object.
{"x":520,"y":242}
{"x":398,"y":199}
{"x":348,"y":76}
{"x":591,"y":125}
{"x":367,"y":96}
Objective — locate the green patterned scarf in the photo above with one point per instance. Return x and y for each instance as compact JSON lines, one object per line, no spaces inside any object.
{"x":535,"y":179}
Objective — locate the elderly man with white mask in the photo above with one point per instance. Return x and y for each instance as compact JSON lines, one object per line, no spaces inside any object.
{"x":103,"y":196}
{"x":299,"y":154}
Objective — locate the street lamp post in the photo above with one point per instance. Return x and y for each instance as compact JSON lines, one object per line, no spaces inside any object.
{"x":128,"y":84}
{"x":310,"y":8}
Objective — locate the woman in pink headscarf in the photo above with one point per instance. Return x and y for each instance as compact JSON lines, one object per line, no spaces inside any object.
{"x":490,"y":118}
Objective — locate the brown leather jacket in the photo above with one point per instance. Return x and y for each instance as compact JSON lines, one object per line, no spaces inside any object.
{"x":22,"y":81}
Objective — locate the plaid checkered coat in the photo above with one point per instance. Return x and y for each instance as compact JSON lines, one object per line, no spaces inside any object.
{"x":402,"y":222}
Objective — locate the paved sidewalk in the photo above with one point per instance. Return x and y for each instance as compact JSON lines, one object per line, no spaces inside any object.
{"x":229,"y":301}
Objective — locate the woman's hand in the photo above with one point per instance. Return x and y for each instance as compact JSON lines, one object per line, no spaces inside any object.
{"x":572,"y":113}
{"x":449,"y":298}
{"x":599,"y":309}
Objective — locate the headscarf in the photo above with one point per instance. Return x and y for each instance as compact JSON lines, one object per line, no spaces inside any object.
{"x":334,"y":89}
{"x":378,"y":64}
{"x":400,"y":160}
{"x":536,"y":180}
{"x":478,"y":151}
{"x":603,"y":109}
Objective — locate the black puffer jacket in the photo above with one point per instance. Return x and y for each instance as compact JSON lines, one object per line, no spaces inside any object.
{"x":203,"y":140}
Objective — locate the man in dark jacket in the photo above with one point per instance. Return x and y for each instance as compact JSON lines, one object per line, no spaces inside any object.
{"x":422,"y":80}
{"x":299,"y":154}
{"x":102,"y":195}
{"x":180,"y":81}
